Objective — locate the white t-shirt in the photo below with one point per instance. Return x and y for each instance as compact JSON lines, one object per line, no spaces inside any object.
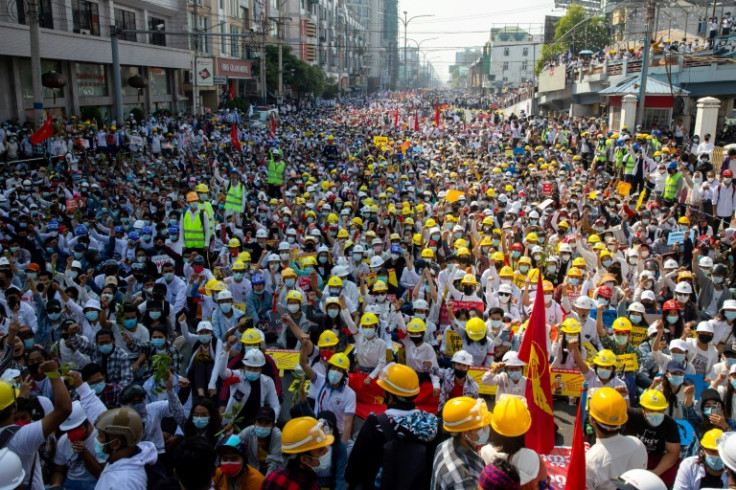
{"x":65,"y":456}
{"x":25,"y":444}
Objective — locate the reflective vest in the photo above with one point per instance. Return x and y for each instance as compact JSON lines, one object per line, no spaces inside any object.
{"x":193,"y":230}
{"x":629,"y":163}
{"x":210,"y":212}
{"x":276,"y":172}
{"x":620,"y":152}
{"x":234,"y":199}
{"x":670,"y":185}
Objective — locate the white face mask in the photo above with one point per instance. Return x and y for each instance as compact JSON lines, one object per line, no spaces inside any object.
{"x":292,"y":307}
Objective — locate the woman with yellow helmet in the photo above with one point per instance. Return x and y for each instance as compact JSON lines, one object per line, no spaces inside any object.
{"x":705,"y":469}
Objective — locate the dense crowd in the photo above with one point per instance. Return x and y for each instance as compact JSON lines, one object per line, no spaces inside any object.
{"x":338,"y":300}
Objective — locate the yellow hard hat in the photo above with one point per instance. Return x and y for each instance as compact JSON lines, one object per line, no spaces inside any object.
{"x":417,"y":239}
{"x":684,"y":220}
{"x":416,"y":325}
{"x":357,"y":221}
{"x":605,"y":357}
{"x":251,"y":337}
{"x":239,"y":265}
{"x":399,"y":379}
{"x":511,"y":417}
{"x":498,"y":256}
{"x":427,"y":253}
{"x":460,"y":243}
{"x":506,"y":271}
{"x":340,"y":360}
{"x":532,"y":237}
{"x":653,"y":400}
{"x":463,"y":252}
{"x":309,"y":260}
{"x":368,"y":319}
{"x":342,"y":233}
{"x":475,"y":329}
{"x":710,"y":439}
{"x":594,"y":239}
{"x":334,"y":282}
{"x":192,"y":197}
{"x":469,"y":279}
{"x":218,"y":286}
{"x":533,"y":275}
{"x":570,"y":326}
{"x":525,"y":260}
{"x":233,"y":243}
{"x":547,"y":286}
{"x":295,"y":295}
{"x":464,"y":413}
{"x":430,"y":223}
{"x":202,"y":188}
{"x":579,"y":262}
{"x":574,"y":272}
{"x":288,"y":272}
{"x":380,"y":286}
{"x":304,"y":434}
{"x":8,"y":394}
{"x":244,"y":256}
{"x":327,"y":339}
{"x":608,"y":407}
{"x":621,"y":323}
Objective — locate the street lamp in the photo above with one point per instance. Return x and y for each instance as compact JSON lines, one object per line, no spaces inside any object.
{"x":406,"y":21}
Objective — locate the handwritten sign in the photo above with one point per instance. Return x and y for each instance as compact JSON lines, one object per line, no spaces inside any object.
{"x":160,"y":260}
{"x":627,"y":363}
{"x":547,"y":188}
{"x":637,"y":336}
{"x":454,"y":343}
{"x":623,"y":188}
{"x":675,"y":237}
{"x":285,"y":359}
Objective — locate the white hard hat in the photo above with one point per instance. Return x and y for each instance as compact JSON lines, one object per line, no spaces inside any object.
{"x":420,"y":304}
{"x":678,"y":344}
{"x":527,"y":462}
{"x":505,"y":288}
{"x":648,"y":295}
{"x":204,"y":325}
{"x":706,"y":262}
{"x":358,"y":249}
{"x":503,"y":198}
{"x":637,"y":307}
{"x":284,"y":246}
{"x":642,"y":480}
{"x":565,"y":248}
{"x":323,"y":249}
{"x":254,"y":358}
{"x":139,"y":224}
{"x":726,"y":450}
{"x":377,"y":241}
{"x":670,"y":264}
{"x":273,"y":258}
{"x":511,"y":358}
{"x":536,"y":249}
{"x":340,"y":271}
{"x":683,"y":287}
{"x":77,"y":417}
{"x":11,"y":470}
{"x":261,"y":234}
{"x":584,"y":302}
{"x":534,"y":215}
{"x":225,"y":294}
{"x":462,"y":357}
{"x":376,"y":261}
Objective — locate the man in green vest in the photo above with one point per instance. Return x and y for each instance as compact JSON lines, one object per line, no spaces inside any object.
{"x":672,"y":185}
{"x":234,"y":190}
{"x":204,"y":201}
{"x":276,"y":169}
{"x":196,"y":226}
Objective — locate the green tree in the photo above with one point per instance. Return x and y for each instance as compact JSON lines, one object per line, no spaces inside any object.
{"x":301,"y":76}
{"x":575,"y":32}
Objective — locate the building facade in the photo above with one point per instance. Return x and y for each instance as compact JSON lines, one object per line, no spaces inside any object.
{"x":513,"y":55}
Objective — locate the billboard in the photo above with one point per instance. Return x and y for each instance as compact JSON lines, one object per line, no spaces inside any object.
{"x":204,"y":72}
{"x":552,"y":79}
{"x":232,"y":68}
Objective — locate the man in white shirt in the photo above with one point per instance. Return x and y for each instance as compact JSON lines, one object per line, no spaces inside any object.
{"x":706,"y":147}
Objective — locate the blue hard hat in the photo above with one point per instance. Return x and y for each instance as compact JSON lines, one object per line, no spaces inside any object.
{"x":672,"y":165}
{"x":610,"y":133}
{"x":395,"y":248}
{"x":636,"y":147}
{"x":173,"y":230}
{"x":133,"y":235}
{"x":118,"y":229}
{"x":257,"y":279}
{"x":619,"y":142}
{"x":53,"y":226}
{"x":146,"y":230}
{"x":80,"y":230}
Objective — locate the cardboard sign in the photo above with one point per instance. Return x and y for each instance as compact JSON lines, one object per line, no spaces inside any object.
{"x":627,"y":363}
{"x":547,"y":188}
{"x":623,"y":188}
{"x":160,"y":260}
{"x":477,"y":372}
{"x":75,"y":203}
{"x":305,"y":283}
{"x":675,"y":237}
{"x":285,"y":359}
{"x":380,"y":140}
{"x":566,"y":382}
{"x":637,"y":336}
{"x":454,"y":343}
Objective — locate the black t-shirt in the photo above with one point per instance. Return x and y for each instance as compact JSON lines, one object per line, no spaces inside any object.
{"x":653,"y":438}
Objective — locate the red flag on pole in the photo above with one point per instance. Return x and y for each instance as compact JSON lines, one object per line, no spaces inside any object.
{"x":416,"y":121}
{"x":232,"y":92}
{"x":437,"y":115}
{"x":45,"y":132}
{"x":273,"y":127}
{"x":234,"y":138}
{"x":396,"y":119}
{"x":533,"y":351}
{"x":576,"y":468}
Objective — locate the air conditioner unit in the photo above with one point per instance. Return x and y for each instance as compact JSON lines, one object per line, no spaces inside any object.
{"x":84,"y":32}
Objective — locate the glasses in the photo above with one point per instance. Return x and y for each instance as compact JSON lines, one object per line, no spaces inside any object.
{"x":504,"y":294}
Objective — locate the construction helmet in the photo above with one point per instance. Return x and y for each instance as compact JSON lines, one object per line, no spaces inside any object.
{"x":327,"y":339}
{"x":399,"y":379}
{"x":304,"y":434}
{"x":710,"y":438}
{"x":12,"y":470}
{"x":368,"y":319}
{"x":8,"y":394}
{"x":506,"y":271}
{"x":192,"y":197}
{"x":123,"y":422}
{"x":622,"y":323}
{"x":427,"y":253}
{"x":511,"y":417}
{"x":202,"y":188}
{"x":605,"y":357}
{"x":239,"y":265}
{"x":469,"y":279}
{"x":244,"y":256}
{"x":574,"y":272}
{"x":639,"y":479}
{"x":465,"y":413}
{"x":475,"y":329}
{"x":498,"y":256}
{"x":380,"y":286}
{"x":295,"y":295}
{"x":340,"y":360}
{"x":233,"y":243}
{"x":579,"y":262}
{"x":570,"y":326}
{"x":525,"y":260}
{"x":251,"y":337}
{"x":334,"y":282}
{"x":608,"y":407}
{"x":654,"y":400}
{"x":416,"y":325}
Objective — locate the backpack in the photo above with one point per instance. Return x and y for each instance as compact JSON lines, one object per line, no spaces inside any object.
{"x":7,"y":434}
{"x":405,"y":460}
{"x":110,"y":138}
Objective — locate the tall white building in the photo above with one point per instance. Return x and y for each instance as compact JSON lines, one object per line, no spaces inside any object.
{"x":513,"y":54}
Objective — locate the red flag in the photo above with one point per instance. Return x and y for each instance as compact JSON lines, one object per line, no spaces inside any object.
{"x":396,"y":119}
{"x":232,"y":92}
{"x":533,"y":351}
{"x":576,"y":467}
{"x":234,"y":138}
{"x":416,"y":121}
{"x":273,"y":127}
{"x":45,"y":132}
{"x":437,"y":115}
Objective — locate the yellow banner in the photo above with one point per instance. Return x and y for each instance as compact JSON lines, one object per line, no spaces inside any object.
{"x":239,"y":306}
{"x":380,"y":140}
{"x":637,"y":336}
{"x":477,"y":372}
{"x":590,"y":350}
{"x":641,"y":199}
{"x":627,"y":362}
{"x":454,"y":342}
{"x":285,"y":359}
{"x":623,"y":188}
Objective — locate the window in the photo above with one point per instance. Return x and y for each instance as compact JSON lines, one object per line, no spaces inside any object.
{"x":202,"y":42}
{"x":505,"y":65}
{"x":524,"y":66}
{"x":125,"y":20}
{"x":86,"y":17}
{"x":506,"y":51}
{"x":223,"y":40}
{"x":234,"y":42}
{"x":159,"y":38}
{"x":525,"y":52}
{"x":222,"y":4}
{"x":90,"y":79}
{"x":505,"y":79}
{"x":244,"y":14}
{"x":45,"y":15}
{"x":159,"y":81}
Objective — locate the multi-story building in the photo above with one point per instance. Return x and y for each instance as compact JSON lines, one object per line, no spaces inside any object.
{"x":75,"y":52}
{"x":513,"y":54}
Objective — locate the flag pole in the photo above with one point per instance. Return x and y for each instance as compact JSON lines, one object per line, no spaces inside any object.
{"x":584,"y":401}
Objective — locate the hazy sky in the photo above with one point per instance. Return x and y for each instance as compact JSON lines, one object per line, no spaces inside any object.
{"x":458,"y":24}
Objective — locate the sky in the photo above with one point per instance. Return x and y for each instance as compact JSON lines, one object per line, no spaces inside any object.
{"x":458,"y":24}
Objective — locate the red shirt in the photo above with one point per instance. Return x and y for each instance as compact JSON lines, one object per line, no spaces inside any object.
{"x":457,"y":390}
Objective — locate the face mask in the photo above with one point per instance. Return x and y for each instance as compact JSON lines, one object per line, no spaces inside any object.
{"x":733,"y":383}
{"x":602,"y":302}
{"x":673,"y":319}
{"x":169,"y":276}
{"x":704,"y":338}
{"x":252,"y":376}
{"x":552,"y":269}
{"x":205,"y":338}
{"x":231,"y":469}
{"x":714,"y":462}
{"x":604,"y":373}
{"x":683,"y":298}
{"x":200,"y":422}
{"x":516,"y":254}
{"x":524,"y":269}
{"x":92,"y":315}
{"x":262,"y":432}
{"x":514,"y":375}
{"x":678,"y":357}
{"x":238,"y":276}
{"x":676,"y":380}
{"x":726,"y":181}
{"x":158,"y":343}
{"x":607,"y":263}
{"x":78,"y":255}
{"x":369,"y":333}
{"x":547,"y":298}
{"x":334,"y":377}
{"x":293,"y":308}
{"x":380,"y":298}
{"x":621,"y":339}
{"x":482,"y":436}
{"x":635,"y":319}
{"x":98,"y":387}
{"x":100,"y":453}
{"x":654,"y":419}
{"x":105,"y":349}
{"x":130,"y":323}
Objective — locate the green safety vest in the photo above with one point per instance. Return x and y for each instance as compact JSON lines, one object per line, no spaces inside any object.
{"x":670,"y":186}
{"x":620,"y":152}
{"x":629,"y":164}
{"x":234,"y":198}
{"x":276,"y":172}
{"x":193,"y":230}
{"x":210,"y":212}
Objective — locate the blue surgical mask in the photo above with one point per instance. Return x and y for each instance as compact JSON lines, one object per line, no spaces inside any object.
{"x":707,"y":411}
{"x":730,"y":361}
{"x":516,"y":254}
{"x":200,"y":422}
{"x":514,"y":375}
{"x":496,"y":323}
{"x":574,"y":281}
{"x":676,"y":380}
{"x":54,"y":316}
{"x":678,"y":357}
{"x":332,"y":313}
{"x":78,"y":255}
{"x":226,"y":307}
{"x":334,"y":377}
{"x":130,"y":323}
{"x":98,"y":387}
{"x":733,"y":383}
{"x":238,"y":276}
{"x":100,"y":453}
{"x":155,"y":315}
{"x":635,"y":319}
{"x":205,"y":338}
{"x":654,"y":419}
{"x":604,"y":373}
{"x":158,"y":343}
{"x":262,"y":432}
{"x":92,"y":315}
{"x":730,"y":315}
{"x":168,"y":276}
{"x":252,"y":376}
{"x":673,"y":319}
{"x":607,"y":263}
{"x":289,"y":283}
{"x":714,"y":462}
{"x":105,"y":349}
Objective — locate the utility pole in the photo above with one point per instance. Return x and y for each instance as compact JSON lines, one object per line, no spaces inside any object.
{"x":645,"y":63}
{"x":406,"y":60}
{"x":280,"y":96}
{"x":36,"y":62}
{"x":264,"y":26}
{"x":117,"y":85}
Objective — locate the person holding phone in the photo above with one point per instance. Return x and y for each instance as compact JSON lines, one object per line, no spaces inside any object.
{"x":710,"y":416}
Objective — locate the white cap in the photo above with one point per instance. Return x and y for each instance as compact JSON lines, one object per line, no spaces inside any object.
{"x":646,"y":275}
{"x":648,"y":295}
{"x":377,"y":241}
{"x":705,"y":327}
{"x":651,"y":330}
{"x":505,"y":288}
{"x":92,"y":303}
{"x":511,"y":358}
{"x":462,"y":357}
{"x":225,"y":294}
{"x":77,"y":417}
{"x":683,"y":287}
{"x":729,"y":304}
{"x":536,"y":249}
{"x":637,"y":307}
{"x":254,"y":358}
{"x":632,"y":253}
{"x":204,"y":325}
{"x":678,"y":344}
{"x":584,"y":302}
{"x":75,"y":263}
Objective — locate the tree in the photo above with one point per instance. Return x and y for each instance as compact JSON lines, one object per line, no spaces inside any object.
{"x":301,"y":76}
{"x":575,"y":32}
